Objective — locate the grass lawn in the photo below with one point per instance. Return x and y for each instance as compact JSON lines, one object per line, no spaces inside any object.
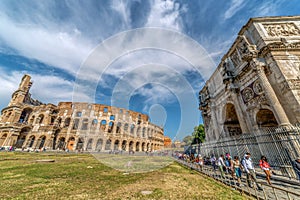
{"x":83,"y":177}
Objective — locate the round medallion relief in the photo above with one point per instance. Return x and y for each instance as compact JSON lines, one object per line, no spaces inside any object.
{"x":248,"y":94}
{"x":257,"y":87}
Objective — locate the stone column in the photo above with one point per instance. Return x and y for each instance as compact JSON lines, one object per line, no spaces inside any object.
{"x":270,"y":94}
{"x":240,"y":113}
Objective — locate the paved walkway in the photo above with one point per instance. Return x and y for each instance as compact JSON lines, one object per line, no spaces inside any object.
{"x":287,"y":189}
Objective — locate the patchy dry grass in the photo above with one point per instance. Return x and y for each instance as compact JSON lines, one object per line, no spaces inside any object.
{"x":83,"y":177}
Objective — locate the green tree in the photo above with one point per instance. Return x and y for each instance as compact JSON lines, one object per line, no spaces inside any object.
{"x":198,"y":134}
{"x":188,"y":140}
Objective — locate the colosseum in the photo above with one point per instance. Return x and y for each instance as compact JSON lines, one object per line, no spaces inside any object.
{"x":29,"y":124}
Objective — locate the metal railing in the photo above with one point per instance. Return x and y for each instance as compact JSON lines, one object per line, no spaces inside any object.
{"x":267,"y":192}
{"x":281,"y":145}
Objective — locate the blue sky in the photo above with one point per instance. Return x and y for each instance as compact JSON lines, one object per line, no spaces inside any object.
{"x":53,"y":42}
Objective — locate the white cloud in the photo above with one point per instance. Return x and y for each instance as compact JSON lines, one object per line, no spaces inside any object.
{"x":235,"y":6}
{"x":166,"y":14}
{"x":53,"y":47}
{"x":45,"y":88}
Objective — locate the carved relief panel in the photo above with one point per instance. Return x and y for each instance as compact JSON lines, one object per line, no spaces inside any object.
{"x":282,"y":29}
{"x":253,"y":94}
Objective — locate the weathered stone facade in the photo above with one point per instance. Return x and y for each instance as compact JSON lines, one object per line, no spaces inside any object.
{"x":27,"y":123}
{"x":257,"y":83}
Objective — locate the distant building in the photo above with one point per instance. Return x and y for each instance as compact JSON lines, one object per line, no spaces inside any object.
{"x":257,"y":83}
{"x":167,"y":142}
{"x":28,"y":123}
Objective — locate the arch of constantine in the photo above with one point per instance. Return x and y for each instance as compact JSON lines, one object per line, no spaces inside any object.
{"x":257,"y":82}
{"x":28,"y":123}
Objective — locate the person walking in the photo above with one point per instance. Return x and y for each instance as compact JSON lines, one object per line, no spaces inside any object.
{"x":296,"y":165}
{"x":237,"y":168}
{"x":221,"y":165}
{"x":249,"y":168}
{"x":265,"y":166}
{"x":213,"y":162}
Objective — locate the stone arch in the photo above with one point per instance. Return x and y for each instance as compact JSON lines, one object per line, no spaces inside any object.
{"x":137,"y":146}
{"x":40,"y":119}
{"x":144,"y":146}
{"x":67,"y":122}
{"x":71,"y":143}
{"x":22,"y":136}
{"x":132,"y":127}
{"x":41,"y":141}
{"x":25,"y":115}
{"x":148,"y":147}
{"x":103,"y":125}
{"x":99,"y":144}
{"x":30,"y":141}
{"x":116,"y":145}
{"x":124,"y":143}
{"x":144,"y":132}
{"x":2,"y":139}
{"x":89,"y":144}
{"x":108,"y":144}
{"x":231,"y":122}
{"x":61,"y":143}
{"x":76,"y":124}
{"x":79,"y":145}
{"x":138,"y":131}
{"x":56,"y":133}
{"x":84,"y":124}
{"x":94,"y":123}
{"x":31,"y":120}
{"x":266,"y":118}
{"x":130,"y":145}
{"x":119,"y":126}
{"x":110,"y":126}
{"x":126,"y":127}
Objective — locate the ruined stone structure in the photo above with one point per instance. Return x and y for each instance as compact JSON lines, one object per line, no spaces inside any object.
{"x":257,"y":83}
{"x":28,"y":123}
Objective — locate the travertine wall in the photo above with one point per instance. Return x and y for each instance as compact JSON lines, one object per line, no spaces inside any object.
{"x":28,"y":123}
{"x":257,"y":83}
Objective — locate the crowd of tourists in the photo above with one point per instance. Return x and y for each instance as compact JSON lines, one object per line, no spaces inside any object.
{"x":235,"y":166}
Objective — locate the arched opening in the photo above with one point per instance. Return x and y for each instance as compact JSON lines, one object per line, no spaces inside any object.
{"x":116,"y":145}
{"x":94,"y":123}
{"x":137,"y":146}
{"x":61,"y":143}
{"x":148,"y":147}
{"x":126,"y":127}
{"x":231,"y":123}
{"x":124,"y":145}
{"x":22,"y":136}
{"x":31,"y":119}
{"x":144,"y":132}
{"x":31,"y":141}
{"x":118,"y":130}
{"x":99,"y":145}
{"x":131,"y":146}
{"x":143,"y":146}
{"x":108,"y":144}
{"x":25,"y":115}
{"x":138,"y":131}
{"x":85,"y":123}
{"x":110,"y":126}
{"x":2,"y":139}
{"x":132,"y":129}
{"x":67,"y":122}
{"x":71,"y":143}
{"x":89,"y":144}
{"x":266,"y":118}
{"x":40,"y":119}
{"x":41,"y":141}
{"x":55,"y":138}
{"x":76,"y":124}
{"x":79,"y":145}
{"x":103,"y":125}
